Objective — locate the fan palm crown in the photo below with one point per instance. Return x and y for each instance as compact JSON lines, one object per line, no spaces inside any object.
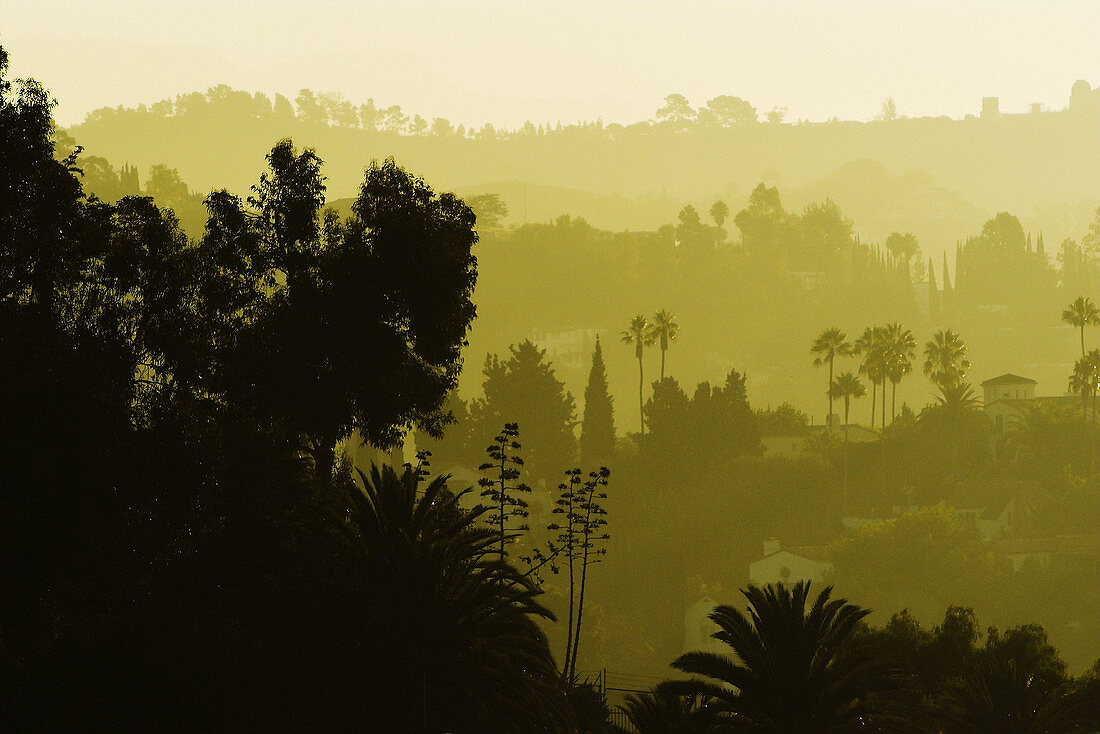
{"x":662,"y":331}
{"x":1080,"y":313}
{"x":945,"y":361}
{"x":829,"y":345}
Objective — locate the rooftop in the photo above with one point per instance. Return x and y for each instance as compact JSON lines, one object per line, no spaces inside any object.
{"x":1009,"y":379}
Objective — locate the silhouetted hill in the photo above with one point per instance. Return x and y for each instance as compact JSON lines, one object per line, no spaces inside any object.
{"x":620,"y":177}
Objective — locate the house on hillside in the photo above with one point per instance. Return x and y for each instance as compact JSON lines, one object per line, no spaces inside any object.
{"x":1008,"y":397}
{"x":782,"y":566}
{"x":794,"y":443}
{"x":1008,"y":387}
{"x":699,"y":629}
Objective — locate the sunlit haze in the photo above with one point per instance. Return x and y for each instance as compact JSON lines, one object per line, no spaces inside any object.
{"x":506,"y":63}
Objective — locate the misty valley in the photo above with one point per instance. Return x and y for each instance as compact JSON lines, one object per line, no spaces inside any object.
{"x":321,"y":415}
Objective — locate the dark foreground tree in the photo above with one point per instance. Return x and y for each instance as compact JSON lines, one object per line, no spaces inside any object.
{"x":451,"y":632}
{"x":797,"y":669}
{"x":660,"y":713}
{"x":1011,"y":692}
{"x":354,"y":325}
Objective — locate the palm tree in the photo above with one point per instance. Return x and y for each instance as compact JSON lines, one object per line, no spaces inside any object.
{"x":1081,"y":313}
{"x":640,"y":335}
{"x":901,"y":348}
{"x":458,"y":642}
{"x":1012,"y":694}
{"x":846,"y":386}
{"x":797,"y":670}
{"x":945,"y":361}
{"x":657,"y":713}
{"x":956,"y":423}
{"x":1085,"y":380}
{"x":871,"y":347}
{"x":664,"y":330}
{"x":828,"y":346}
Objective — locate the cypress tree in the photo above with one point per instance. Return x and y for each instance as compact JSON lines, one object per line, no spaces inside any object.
{"x":598,"y":424}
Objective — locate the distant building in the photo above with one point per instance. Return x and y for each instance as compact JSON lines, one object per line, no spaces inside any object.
{"x":1008,"y":387}
{"x":568,"y":350}
{"x":699,"y":629}
{"x":780,"y":566}
{"x":795,"y":443}
{"x":991,"y":108}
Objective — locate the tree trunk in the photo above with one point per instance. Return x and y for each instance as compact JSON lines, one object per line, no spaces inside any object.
{"x":324,"y":461}
{"x":847,"y":403}
{"x":884,"y":405}
{"x":893,"y":402}
{"x":829,"y":392}
{"x":641,"y":404}
{"x":874,"y":392}
{"x":663,"y":350}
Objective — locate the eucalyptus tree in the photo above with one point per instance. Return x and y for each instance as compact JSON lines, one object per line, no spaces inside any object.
{"x":832,"y":343}
{"x":1080,"y":313}
{"x":663,"y":330}
{"x":641,"y":336}
{"x":945,"y":362}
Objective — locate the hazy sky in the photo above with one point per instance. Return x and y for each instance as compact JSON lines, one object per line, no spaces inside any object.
{"x":476,"y":62}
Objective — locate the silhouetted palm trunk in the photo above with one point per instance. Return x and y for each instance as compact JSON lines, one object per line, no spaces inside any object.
{"x":874,"y":395}
{"x":883,"y":408}
{"x":641,"y":404}
{"x":893,"y":402}
{"x":663,"y":350}
{"x":847,"y":403}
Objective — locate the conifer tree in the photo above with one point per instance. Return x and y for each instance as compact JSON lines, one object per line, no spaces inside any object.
{"x":598,"y":425}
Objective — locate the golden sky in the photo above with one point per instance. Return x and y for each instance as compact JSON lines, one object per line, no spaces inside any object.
{"x":505,"y":63}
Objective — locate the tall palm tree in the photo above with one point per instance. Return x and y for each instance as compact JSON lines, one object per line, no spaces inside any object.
{"x":870,"y":346}
{"x":797,"y":668}
{"x":827,"y":347}
{"x":901,"y":347}
{"x":945,"y":361}
{"x":455,"y":625}
{"x":1085,"y":380}
{"x":640,"y":335}
{"x":663,"y":330}
{"x":1081,"y":313}
{"x":847,"y":386}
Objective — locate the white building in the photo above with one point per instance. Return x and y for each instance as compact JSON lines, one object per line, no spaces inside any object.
{"x":780,"y":566}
